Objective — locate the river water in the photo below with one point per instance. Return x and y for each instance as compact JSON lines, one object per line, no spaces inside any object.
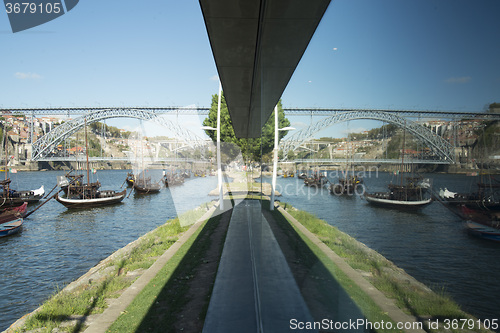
{"x":57,"y":246}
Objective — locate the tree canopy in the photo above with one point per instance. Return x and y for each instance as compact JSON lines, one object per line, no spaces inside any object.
{"x":251,"y":148}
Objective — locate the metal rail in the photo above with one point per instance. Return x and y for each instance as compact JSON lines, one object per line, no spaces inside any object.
{"x":307,"y":111}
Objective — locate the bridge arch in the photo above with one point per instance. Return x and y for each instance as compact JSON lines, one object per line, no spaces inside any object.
{"x":43,"y":146}
{"x":440,"y":146}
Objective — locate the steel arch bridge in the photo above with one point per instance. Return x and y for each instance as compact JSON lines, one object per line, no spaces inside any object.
{"x":442,"y":147}
{"x":43,"y":146}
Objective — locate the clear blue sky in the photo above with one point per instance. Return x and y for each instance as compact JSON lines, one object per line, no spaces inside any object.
{"x":411,"y":54}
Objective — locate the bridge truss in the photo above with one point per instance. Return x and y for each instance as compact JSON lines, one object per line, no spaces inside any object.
{"x":440,"y":146}
{"x":46,"y":144}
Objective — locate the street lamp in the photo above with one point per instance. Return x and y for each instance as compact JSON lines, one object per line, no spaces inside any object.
{"x":219,"y":167}
{"x":275,"y":157}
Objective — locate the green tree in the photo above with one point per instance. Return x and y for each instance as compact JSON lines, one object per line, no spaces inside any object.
{"x":251,"y":148}
{"x":494,"y":108}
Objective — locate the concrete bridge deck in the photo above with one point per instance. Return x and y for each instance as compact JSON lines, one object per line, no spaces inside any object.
{"x":254,"y":290}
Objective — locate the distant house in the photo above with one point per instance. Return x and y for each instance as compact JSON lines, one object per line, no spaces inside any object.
{"x":14,"y":136}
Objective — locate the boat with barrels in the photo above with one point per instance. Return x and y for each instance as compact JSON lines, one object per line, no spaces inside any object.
{"x":486,"y":197}
{"x":88,"y":199}
{"x":346,"y":186}
{"x":130,"y":179}
{"x":173,"y":179}
{"x":13,"y":198}
{"x":410,"y":195}
{"x":87,"y":195}
{"x":316,"y":180}
{"x":146,"y":185}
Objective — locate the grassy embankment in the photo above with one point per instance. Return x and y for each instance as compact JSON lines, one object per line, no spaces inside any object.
{"x":410,"y":296}
{"x":159,"y":306}
{"x":67,"y":309}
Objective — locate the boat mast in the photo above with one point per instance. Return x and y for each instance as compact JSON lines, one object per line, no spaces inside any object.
{"x":87,"y":154}
{"x":5,"y":149}
{"x":6,"y":187}
{"x":142,"y":157}
{"x":403,"y":154}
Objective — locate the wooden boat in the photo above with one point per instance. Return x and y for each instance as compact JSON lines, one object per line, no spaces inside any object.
{"x":10,"y":228}
{"x":482,"y":231}
{"x":130,"y":179}
{"x":101,"y":198}
{"x":74,"y":185}
{"x":12,"y":198}
{"x":173,"y":180}
{"x":481,"y":216}
{"x":12,"y":213}
{"x":410,"y":195}
{"x":315,"y":181}
{"x":389,"y":200}
{"x":486,"y":197}
{"x":346,"y":186}
{"x":145,"y":186}
{"x":303,"y":175}
{"x":199,"y":173}
{"x":87,"y":195}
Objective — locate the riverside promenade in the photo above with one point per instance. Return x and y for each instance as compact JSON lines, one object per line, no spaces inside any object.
{"x":254,"y":288}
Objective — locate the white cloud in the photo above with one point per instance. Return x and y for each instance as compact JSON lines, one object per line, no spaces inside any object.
{"x":459,"y":80}
{"x":214,"y":78}
{"x":27,"y":76}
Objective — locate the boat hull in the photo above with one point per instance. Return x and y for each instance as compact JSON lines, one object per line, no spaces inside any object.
{"x":400,"y":204}
{"x":9,"y":214}
{"x":11,"y":228}
{"x":147,"y":188}
{"x":18,"y":198}
{"x":482,"y":231}
{"x":95,"y":202}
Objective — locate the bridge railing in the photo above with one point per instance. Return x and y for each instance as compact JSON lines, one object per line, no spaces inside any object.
{"x":368,"y":161}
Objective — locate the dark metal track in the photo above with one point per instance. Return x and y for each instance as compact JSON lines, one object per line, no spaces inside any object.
{"x":289,"y":111}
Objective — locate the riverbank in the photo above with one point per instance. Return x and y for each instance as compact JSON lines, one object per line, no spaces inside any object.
{"x":315,"y":274}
